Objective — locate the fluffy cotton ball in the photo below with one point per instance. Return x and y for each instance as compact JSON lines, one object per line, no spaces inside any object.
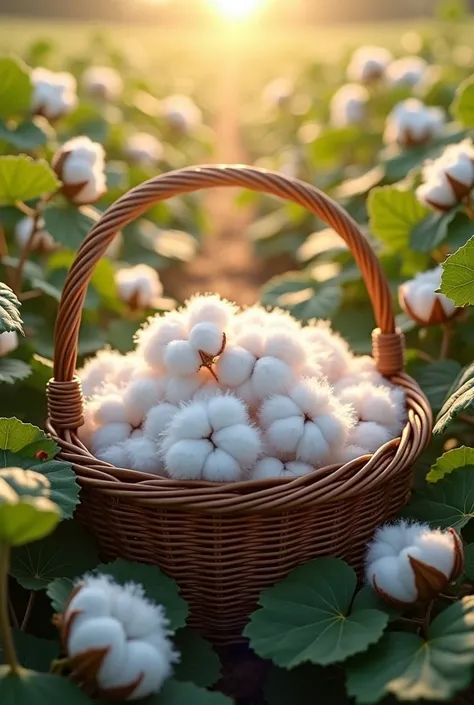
{"x":369,"y":435}
{"x":54,"y":94}
{"x":181,"y":359}
{"x":181,"y":113}
{"x":133,"y":631}
{"x":143,"y":455}
{"x":271,"y":376}
{"x":182,"y":389}
{"x":234,"y":366}
{"x":157,"y":420}
{"x":307,"y":424}
{"x":207,"y":337}
{"x":115,"y":455}
{"x":285,"y":346}
{"x":157,"y":333}
{"x":80,"y":164}
{"x":144,"y":149}
{"x":327,"y":350}
{"x":348,"y":105}
{"x":211,"y":439}
{"x":8,"y":342}
{"x":102,"y":82}
{"x":407,"y":71}
{"x":109,"y":435}
{"x":138,"y":286}
{"x":411,"y":123}
{"x":368,"y":63}
{"x":108,"y":408}
{"x":210,"y":308}
{"x":269,"y":468}
{"x":375,"y":403}
{"x":410,"y":562}
{"x":419,"y":298}
{"x":42,"y":240}
{"x":141,"y":395}
{"x":448,"y":179}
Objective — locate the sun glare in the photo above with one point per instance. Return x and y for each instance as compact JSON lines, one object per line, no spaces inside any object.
{"x":237,"y":9}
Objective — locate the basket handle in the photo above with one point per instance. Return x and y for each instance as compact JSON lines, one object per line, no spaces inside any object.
{"x":387,"y":342}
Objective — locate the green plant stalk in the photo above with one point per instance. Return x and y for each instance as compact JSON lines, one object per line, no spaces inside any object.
{"x":5,"y":631}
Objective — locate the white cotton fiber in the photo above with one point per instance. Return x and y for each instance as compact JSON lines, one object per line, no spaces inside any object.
{"x":157,"y":420}
{"x":182,"y":389}
{"x":109,"y":435}
{"x":143,"y":455}
{"x":210,"y":309}
{"x":251,"y":339}
{"x":115,"y":455}
{"x":181,"y":359}
{"x":285,"y":346}
{"x":271,"y":376}
{"x":140,"y":396}
{"x":207,"y":337}
{"x":185,"y":459}
{"x":226,"y":410}
{"x":234,"y":366}
{"x":270,"y":468}
{"x":152,"y":339}
{"x":374,"y":403}
{"x":369,"y":435}
{"x":221,"y":467}
{"x":98,"y":370}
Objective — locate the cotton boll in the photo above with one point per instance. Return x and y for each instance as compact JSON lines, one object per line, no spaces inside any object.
{"x":206,"y":337}
{"x":312,"y":397}
{"x":352,"y":452}
{"x":100,"y":633}
{"x":210,"y":309}
{"x":420,"y":299}
{"x":368,"y":64}
{"x":42,"y":240}
{"x":284,"y":435}
{"x":143,"y":455}
{"x":373,"y":403}
{"x":140,"y":396}
{"x":226,"y":410}
{"x":157,"y":333}
{"x":182,"y":389}
{"x":185,"y":459}
{"x":181,"y":113}
{"x":181,"y":359}
{"x":406,"y":71}
{"x":241,"y":441}
{"x":102,"y":82}
{"x":109,"y":409}
{"x":97,"y":370}
{"x":348,"y":105}
{"x":327,"y":349}
{"x":269,"y":468}
{"x":141,"y":662}
{"x":144,"y":149}
{"x":138,"y":286}
{"x":286,"y":347}
{"x":234,"y":366}
{"x":276,"y":408}
{"x":247,"y":393}
{"x":157,"y":420}
{"x":369,"y":435}
{"x":115,"y":455}
{"x":191,"y":422}
{"x":54,"y":93}
{"x":312,"y":446}
{"x":252,"y":340}
{"x":80,"y":165}
{"x":271,"y":376}
{"x":221,"y":467}
{"x":109,"y":435}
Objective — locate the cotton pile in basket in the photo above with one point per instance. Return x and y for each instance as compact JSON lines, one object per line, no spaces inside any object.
{"x":215,"y":393}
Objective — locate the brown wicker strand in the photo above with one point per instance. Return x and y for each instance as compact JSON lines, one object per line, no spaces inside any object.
{"x":65,"y":403}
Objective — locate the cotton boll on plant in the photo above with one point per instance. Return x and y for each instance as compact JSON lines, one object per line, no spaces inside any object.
{"x":448,"y":179}
{"x":368,"y":64}
{"x":348,"y":105}
{"x":411,"y":123}
{"x":42,"y":240}
{"x":407,"y":71}
{"x":54,"y":94}
{"x":419,"y":298}
{"x":80,"y":165}
{"x":102,"y":82}
{"x":270,"y":468}
{"x":138,"y":286}
{"x":8,"y":342}
{"x":181,"y":113}
{"x":144,"y":149}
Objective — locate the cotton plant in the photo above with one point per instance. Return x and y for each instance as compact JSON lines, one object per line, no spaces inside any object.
{"x":412,"y":124}
{"x":181,"y":113}
{"x":139,"y":287}
{"x":80,"y":165}
{"x":277,"y":94}
{"x":117,"y":642}
{"x":420,"y":299}
{"x":54,"y":93}
{"x":408,"y":71}
{"x":448,"y":180}
{"x":8,"y":342}
{"x":410,"y":562}
{"x":348,"y":105}
{"x":368,"y":64}
{"x":42,"y":240}
{"x":103,"y":83}
{"x":143,"y":149}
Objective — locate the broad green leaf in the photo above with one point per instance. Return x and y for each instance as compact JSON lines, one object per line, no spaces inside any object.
{"x":461,"y":398}
{"x":356,"y":324}
{"x":13,"y":370}
{"x":10,"y":319}
{"x":22,"y":179}
{"x":31,"y":688}
{"x":367,"y":599}
{"x":457,"y":282}
{"x":452,"y":460}
{"x":33,"y":652}
{"x":68,"y":553}
{"x":199,"y":663}
{"x":308,"y":617}
{"x":26,"y":483}
{"x":25,"y":439}
{"x":26,"y":136}
{"x":305,"y":685}
{"x":15,"y":87}
{"x":469,"y":561}
{"x":25,"y":519}
{"x":304,"y":297}
{"x":69,"y":224}
{"x":60,"y":476}
{"x":430,"y":232}
{"x":447,"y":503}
{"x":463,"y":105}
{"x":334,"y":144}
{"x":393,"y":215}
{"x":176,"y":693}
{"x":411,"y":668}
{"x":58,"y":592}
{"x":436,"y":379}
{"x":460,"y":229}
{"x":158,"y":587}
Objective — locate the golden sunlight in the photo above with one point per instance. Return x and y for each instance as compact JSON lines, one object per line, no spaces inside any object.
{"x":237,"y":9}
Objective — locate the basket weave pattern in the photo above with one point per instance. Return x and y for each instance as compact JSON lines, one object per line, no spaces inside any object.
{"x":224,"y":542}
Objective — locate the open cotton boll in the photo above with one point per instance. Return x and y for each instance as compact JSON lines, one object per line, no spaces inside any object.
{"x":181,"y":113}
{"x":448,"y":179}
{"x":143,"y":455}
{"x":380,"y":404}
{"x":141,"y":395}
{"x":285,"y":346}
{"x":348,"y":105}
{"x":208,"y":338}
{"x":308,"y":423}
{"x":269,"y":468}
{"x":182,"y":389}
{"x":98,"y":370}
{"x":411,"y":123}
{"x":138,"y":286}
{"x":352,"y":452}
{"x":251,"y":339}
{"x":115,"y":455}
{"x":327,"y":349}
{"x":234,"y":366}
{"x":157,"y":420}
{"x":8,"y":342}
{"x":271,"y":376}
{"x":80,"y":164}
{"x":152,"y":339}
{"x":419,"y":298}
{"x":181,"y":359}
{"x":103,"y":82}
{"x":109,"y":435}
{"x":406,"y":563}
{"x":368,"y":64}
{"x":54,"y":94}
{"x":407,"y":71}
{"x":369,"y":435}
{"x":42,"y":240}
{"x":361,"y":369}
{"x":211,"y":439}
{"x":108,"y":408}
{"x":144,"y":149}
{"x":130,"y":366}
{"x":209,"y":308}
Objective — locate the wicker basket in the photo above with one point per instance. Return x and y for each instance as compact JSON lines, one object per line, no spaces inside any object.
{"x":223,"y":543}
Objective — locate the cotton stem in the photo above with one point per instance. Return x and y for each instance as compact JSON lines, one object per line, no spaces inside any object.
{"x":445,"y":341}
{"x":29,"y":608}
{"x":5,"y":630}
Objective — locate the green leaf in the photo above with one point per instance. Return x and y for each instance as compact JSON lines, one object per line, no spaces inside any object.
{"x":436,"y":379}
{"x":461,"y":398}
{"x":31,"y":688}
{"x":27,"y":515}
{"x":60,"y":475}
{"x":457,"y":281}
{"x":411,"y":668}
{"x":304,"y":297}
{"x":305,"y":685}
{"x":469,"y":561}
{"x":368,"y":599}
{"x":463,"y":104}
{"x":22,"y":179}
{"x":199,"y":663}
{"x":67,"y":553}
{"x":430,"y":232}
{"x":452,"y":460}
{"x":10,"y":319}
{"x":177,"y":693}
{"x":308,"y":617}
{"x":33,"y":652}
{"x":13,"y":370}
{"x":58,"y":592}
{"x":459,"y":230}
{"x":15,"y":87}
{"x":26,"y":136}
{"x":447,"y":503}
{"x":25,"y":439}
{"x":69,"y":224}
{"x":393,"y":215}
{"x":328,"y":148}
{"x":158,"y":587}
